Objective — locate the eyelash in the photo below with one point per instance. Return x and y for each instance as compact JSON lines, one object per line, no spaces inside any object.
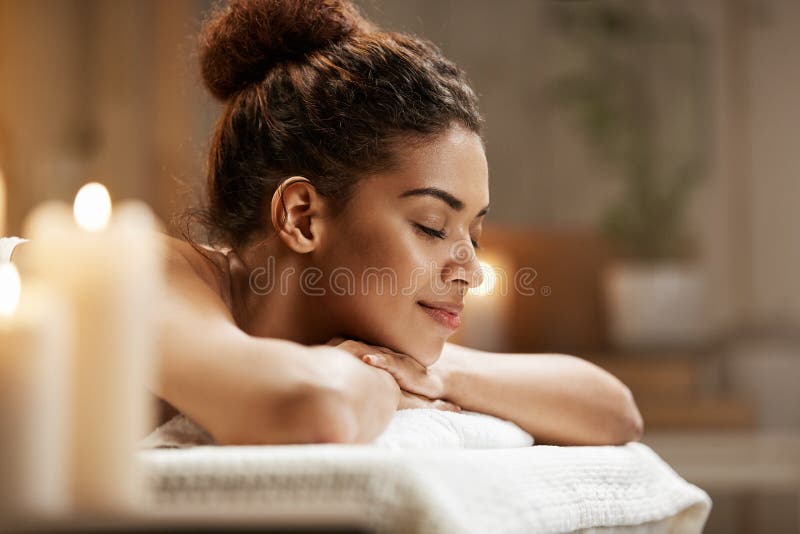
{"x":439,"y":234}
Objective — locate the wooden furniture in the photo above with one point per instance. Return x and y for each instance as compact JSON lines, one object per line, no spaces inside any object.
{"x":564,"y":312}
{"x":680,"y":391}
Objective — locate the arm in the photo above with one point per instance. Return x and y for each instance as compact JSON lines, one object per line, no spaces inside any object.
{"x":244,"y":389}
{"x":559,"y":399}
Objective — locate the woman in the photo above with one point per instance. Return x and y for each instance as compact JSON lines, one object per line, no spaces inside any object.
{"x":347,"y":159}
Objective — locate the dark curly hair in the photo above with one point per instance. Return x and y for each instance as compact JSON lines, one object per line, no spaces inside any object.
{"x":313,"y":89}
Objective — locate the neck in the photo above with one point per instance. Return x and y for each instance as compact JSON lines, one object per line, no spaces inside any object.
{"x":267,"y":298}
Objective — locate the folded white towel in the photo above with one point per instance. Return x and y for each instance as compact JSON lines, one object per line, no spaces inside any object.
{"x":7,"y":246}
{"x":542,"y":489}
{"x":410,"y":429}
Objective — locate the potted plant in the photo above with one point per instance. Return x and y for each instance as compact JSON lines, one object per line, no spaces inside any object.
{"x":633,"y":83}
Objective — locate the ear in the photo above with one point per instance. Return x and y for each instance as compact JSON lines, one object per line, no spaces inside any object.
{"x":297,"y":211}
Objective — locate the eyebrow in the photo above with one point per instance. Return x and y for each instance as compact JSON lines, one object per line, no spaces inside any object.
{"x":442,"y":195}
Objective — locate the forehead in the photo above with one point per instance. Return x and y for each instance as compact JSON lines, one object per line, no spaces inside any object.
{"x":454,"y":161}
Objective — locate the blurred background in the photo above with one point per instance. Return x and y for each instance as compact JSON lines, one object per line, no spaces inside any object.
{"x":643,"y":166}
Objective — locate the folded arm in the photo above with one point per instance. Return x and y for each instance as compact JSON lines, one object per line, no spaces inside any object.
{"x":559,"y":399}
{"x":250,"y":390}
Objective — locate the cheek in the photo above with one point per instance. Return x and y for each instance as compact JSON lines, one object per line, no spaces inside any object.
{"x":388,"y":245}
{"x":391,"y":267}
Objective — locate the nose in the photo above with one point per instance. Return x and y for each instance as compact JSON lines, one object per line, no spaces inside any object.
{"x":462,"y":266}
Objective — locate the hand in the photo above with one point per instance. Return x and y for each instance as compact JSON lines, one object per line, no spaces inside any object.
{"x":355,"y":347}
{"x":410,"y":375}
{"x":419,"y":387}
{"x":371,"y":394}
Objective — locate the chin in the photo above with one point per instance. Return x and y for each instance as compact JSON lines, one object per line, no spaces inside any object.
{"x":424,"y":349}
{"x":426,"y":352}
{"x":405,"y":335}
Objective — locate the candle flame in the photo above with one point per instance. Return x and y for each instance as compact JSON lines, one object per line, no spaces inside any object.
{"x":487,"y":285}
{"x":92,"y":208}
{"x":10,"y":288}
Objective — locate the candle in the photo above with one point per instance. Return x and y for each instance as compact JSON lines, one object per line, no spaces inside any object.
{"x":108,"y":269}
{"x":2,"y":204}
{"x":33,"y":329}
{"x":485,"y":319}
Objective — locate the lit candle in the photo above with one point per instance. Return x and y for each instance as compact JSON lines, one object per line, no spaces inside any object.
{"x":485,"y":319}
{"x":109,"y":271}
{"x":33,"y":328}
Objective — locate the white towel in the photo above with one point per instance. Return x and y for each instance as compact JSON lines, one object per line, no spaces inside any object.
{"x":438,"y":429}
{"x":410,"y":429}
{"x":541,"y":489}
{"x":7,"y":246}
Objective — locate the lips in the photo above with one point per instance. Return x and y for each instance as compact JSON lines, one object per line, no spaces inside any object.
{"x":447,"y":314}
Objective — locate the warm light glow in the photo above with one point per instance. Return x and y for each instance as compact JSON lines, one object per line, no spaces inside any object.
{"x":10,"y":288}
{"x":92,"y":207}
{"x":487,"y":285}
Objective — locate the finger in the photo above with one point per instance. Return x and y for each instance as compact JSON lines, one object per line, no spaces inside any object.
{"x":405,"y":379}
{"x":403,"y":363}
{"x":376,"y":360}
{"x":405,"y":359}
{"x":385,"y":350}
{"x":409,"y":374}
{"x":402,"y":355}
{"x":444,"y":405}
{"x":385,"y":364}
{"x":336,"y":341}
{"x":412,"y":401}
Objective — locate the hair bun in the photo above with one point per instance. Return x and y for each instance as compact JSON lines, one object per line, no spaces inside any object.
{"x":245,"y":38}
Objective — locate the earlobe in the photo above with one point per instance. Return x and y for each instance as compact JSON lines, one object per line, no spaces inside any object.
{"x":294,"y":204}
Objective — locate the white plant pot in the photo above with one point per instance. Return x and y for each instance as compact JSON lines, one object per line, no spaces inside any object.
{"x":655,"y":306}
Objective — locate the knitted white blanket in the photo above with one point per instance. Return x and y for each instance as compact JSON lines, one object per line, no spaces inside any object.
{"x":531,"y":489}
{"x":435,"y":485}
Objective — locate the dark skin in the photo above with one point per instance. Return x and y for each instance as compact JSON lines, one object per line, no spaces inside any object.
{"x":335,"y":367}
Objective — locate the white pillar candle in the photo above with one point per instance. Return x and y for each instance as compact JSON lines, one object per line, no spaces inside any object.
{"x":109,"y":271}
{"x":33,"y":344}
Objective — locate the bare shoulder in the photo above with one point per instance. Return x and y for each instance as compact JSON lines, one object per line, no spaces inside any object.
{"x":192,"y":303}
{"x":200,"y":277}
{"x":181,"y":258}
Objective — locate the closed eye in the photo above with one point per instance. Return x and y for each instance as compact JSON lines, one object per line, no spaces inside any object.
{"x":439,"y":234}
{"x":430,"y":231}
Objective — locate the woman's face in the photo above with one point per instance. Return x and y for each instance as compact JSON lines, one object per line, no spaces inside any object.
{"x":403,"y":256}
